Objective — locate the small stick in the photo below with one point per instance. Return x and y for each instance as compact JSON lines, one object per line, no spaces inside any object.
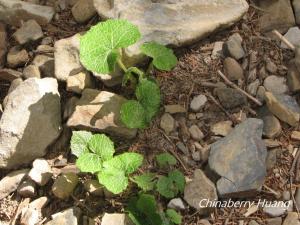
{"x":283,"y":39}
{"x":255,"y":100}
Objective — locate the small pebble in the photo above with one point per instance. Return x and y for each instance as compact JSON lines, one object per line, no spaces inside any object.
{"x":198,"y":103}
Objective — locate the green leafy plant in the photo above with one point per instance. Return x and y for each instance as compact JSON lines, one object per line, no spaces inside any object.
{"x":96,"y":155}
{"x":100,"y":52}
{"x":168,"y":186}
{"x":143,"y":210}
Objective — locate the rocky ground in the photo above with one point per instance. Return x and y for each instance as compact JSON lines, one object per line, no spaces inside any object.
{"x":230,"y":109}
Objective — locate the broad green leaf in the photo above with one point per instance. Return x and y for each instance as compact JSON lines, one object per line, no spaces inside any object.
{"x":146,"y":204}
{"x":165,"y":159}
{"x":174,"y":216}
{"x":98,"y":46}
{"x":166,"y":187}
{"x":101,"y":145}
{"x":163,"y":57}
{"x":89,"y":162}
{"x":113,"y":180}
{"x":133,"y":114}
{"x":178,"y":179}
{"x":128,"y":162}
{"x":79,"y":142}
{"x":145,"y":181}
{"x":148,"y":94}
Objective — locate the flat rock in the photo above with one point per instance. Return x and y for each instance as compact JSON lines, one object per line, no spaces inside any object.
{"x":293,"y":77}
{"x":284,"y":107}
{"x":293,"y":36}
{"x":3,"y":44}
{"x":11,"y":181}
{"x":78,"y":82}
{"x":41,"y":172}
{"x":232,"y":69}
{"x":276,"y":15}
{"x":29,"y":31}
{"x":296,"y":5}
{"x":274,"y":221}
{"x":198,"y":189}
{"x":230,"y":98}
{"x":291,"y":219}
{"x":83,"y":10}
{"x":115,"y":219}
{"x":222,"y":128}
{"x":14,"y":12}
{"x":177,"y":204}
{"x":198,"y":102}
{"x":64,"y":185}
{"x":30,"y":122}
{"x":66,"y":57}
{"x":196,"y":18}
{"x":172,"y":109}
{"x":69,"y":216}
{"x":17,"y":57}
{"x":276,"y":211}
{"x":239,"y":159}
{"x":276,"y":84}
{"x":167,"y":123}
{"x":9,"y":74}
{"x":233,"y":47}
{"x":100,"y":111}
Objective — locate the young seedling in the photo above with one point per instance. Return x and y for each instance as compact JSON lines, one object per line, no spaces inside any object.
{"x":96,"y":155}
{"x":100,"y":52}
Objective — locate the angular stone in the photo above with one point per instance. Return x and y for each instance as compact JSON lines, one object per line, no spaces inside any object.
{"x":272,"y":127}
{"x":115,"y":219}
{"x":100,"y":111}
{"x":296,"y":5}
{"x":295,"y":135}
{"x":177,"y":204}
{"x":233,"y":47}
{"x":64,"y":185}
{"x":198,"y":189}
{"x":293,"y":36}
{"x":230,"y":98}
{"x":253,"y":87}
{"x":167,"y":123}
{"x":194,"y":17}
{"x":78,"y":82}
{"x":284,"y":107}
{"x":293,"y":78}
{"x":14,"y":12}
{"x":222,"y":128}
{"x":83,"y":10}
{"x":66,"y":57}
{"x":239,"y":159}
{"x":31,"y":71}
{"x":31,"y":121}
{"x":94,"y":187}
{"x":11,"y":181}
{"x":217,"y":52}
{"x":276,"y":15}
{"x":45,"y":64}
{"x":9,"y":74}
{"x":69,"y":216}
{"x":17,"y":57}
{"x":41,"y":172}
{"x":14,"y":84}
{"x":29,"y":31}
{"x":275,"y":84}
{"x":232,"y":69}
{"x":3,"y":44}
{"x":291,"y":219}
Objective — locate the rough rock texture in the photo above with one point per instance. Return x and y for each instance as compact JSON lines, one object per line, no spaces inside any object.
{"x":239,"y":159}
{"x":3,"y":44}
{"x":69,"y":216}
{"x":284,"y":107}
{"x":17,"y":57}
{"x":14,"y":11}
{"x":277,"y":15}
{"x":159,"y":20}
{"x":30,"y":122}
{"x":100,"y":111}
{"x":291,"y":219}
{"x":30,"y":31}
{"x":198,"y":189}
{"x":64,"y":185}
{"x":41,"y":172}
{"x":83,"y":10}
{"x":11,"y":182}
{"x":230,"y":98}
{"x":66,"y":57}
{"x":296,"y":5}
{"x":78,"y":82}
{"x":115,"y":219}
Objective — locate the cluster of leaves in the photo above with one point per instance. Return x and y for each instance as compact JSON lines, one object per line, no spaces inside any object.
{"x":168,"y":186}
{"x":143,"y":210}
{"x":100,"y":51}
{"x":96,"y":155}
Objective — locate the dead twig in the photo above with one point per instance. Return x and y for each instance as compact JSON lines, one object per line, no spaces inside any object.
{"x":255,"y":100}
{"x":283,"y":39}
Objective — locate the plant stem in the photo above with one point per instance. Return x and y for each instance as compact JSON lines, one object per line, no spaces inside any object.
{"x":122,"y":66}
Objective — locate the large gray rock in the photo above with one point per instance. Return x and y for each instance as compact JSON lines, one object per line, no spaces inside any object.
{"x":30,"y":122}
{"x":116,"y":219}
{"x":100,"y":111}
{"x":239,"y":159}
{"x":159,"y":20}
{"x":14,"y":12}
